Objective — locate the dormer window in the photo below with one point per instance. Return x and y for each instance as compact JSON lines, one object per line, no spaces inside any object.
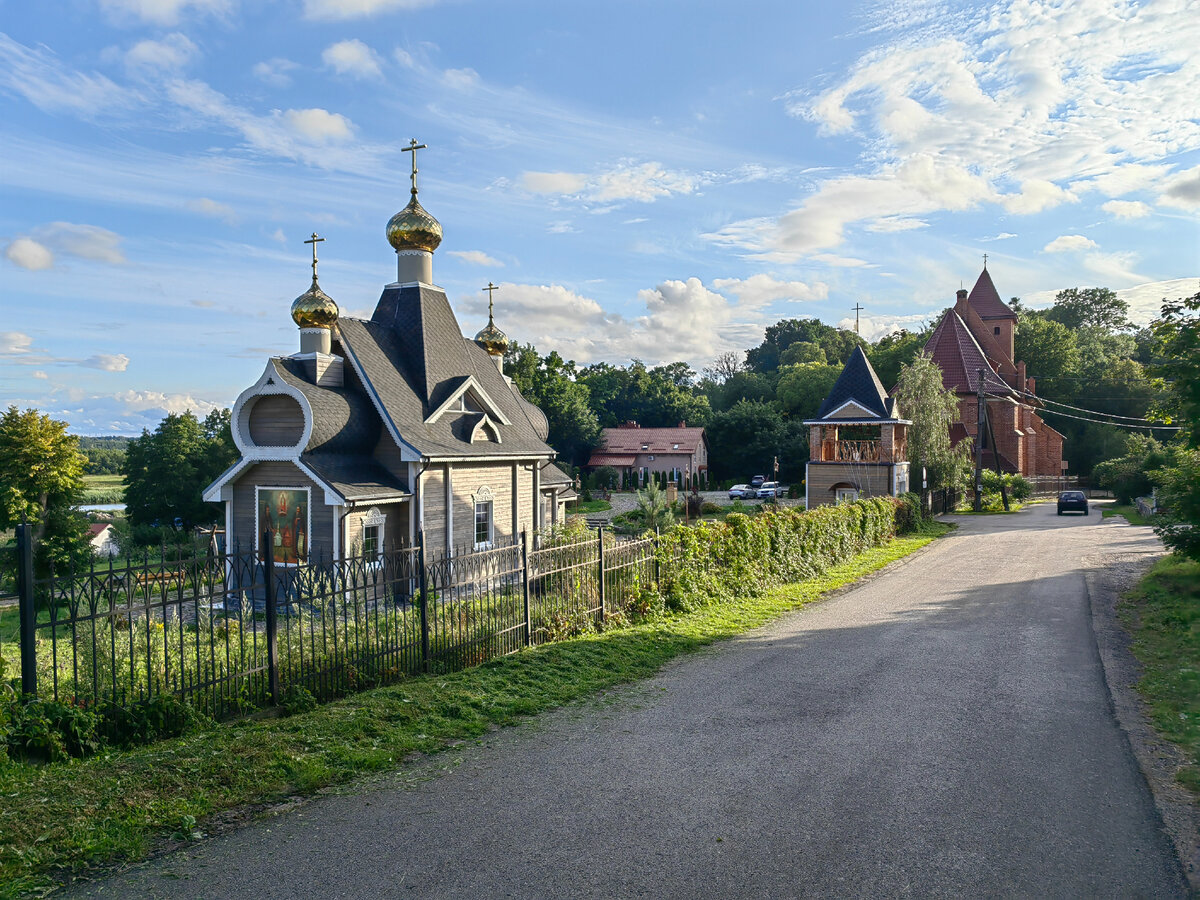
{"x":674,"y":446}
{"x":645,"y":446}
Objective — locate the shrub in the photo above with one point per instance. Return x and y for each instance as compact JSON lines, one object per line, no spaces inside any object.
{"x":49,"y":730}
{"x":145,"y":721}
{"x":909,"y":513}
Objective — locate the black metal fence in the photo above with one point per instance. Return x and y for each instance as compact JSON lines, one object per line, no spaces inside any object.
{"x":235,"y":631}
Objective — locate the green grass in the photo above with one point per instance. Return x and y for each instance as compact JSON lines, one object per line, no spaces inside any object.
{"x":589,"y":506}
{"x":1128,"y":513}
{"x":104,"y":481}
{"x":67,"y":818}
{"x":10,"y":635}
{"x":1163,"y":613}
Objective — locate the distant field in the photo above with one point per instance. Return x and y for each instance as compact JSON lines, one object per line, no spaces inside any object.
{"x":104,"y":481}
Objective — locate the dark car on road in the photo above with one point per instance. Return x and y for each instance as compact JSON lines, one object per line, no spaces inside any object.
{"x":1072,"y":501}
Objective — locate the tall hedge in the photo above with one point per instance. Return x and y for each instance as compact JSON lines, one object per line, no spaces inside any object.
{"x":745,"y":555}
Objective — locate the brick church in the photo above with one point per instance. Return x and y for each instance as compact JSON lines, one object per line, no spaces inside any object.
{"x":979,"y":333}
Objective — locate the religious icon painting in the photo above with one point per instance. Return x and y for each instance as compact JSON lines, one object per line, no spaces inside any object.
{"x":284,"y":511}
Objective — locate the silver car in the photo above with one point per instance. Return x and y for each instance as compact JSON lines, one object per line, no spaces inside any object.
{"x":771,"y":489}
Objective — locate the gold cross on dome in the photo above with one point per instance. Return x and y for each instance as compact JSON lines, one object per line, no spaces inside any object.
{"x":490,"y":288}
{"x":314,"y":240}
{"x":412,"y":148}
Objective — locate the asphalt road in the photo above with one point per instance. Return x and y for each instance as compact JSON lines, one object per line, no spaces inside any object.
{"x":944,"y":729}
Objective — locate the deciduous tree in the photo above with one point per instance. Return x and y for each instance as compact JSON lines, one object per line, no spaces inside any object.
{"x":924,"y":400}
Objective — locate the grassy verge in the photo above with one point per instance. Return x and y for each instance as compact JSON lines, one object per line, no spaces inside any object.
{"x":65,"y":818}
{"x":10,"y":634}
{"x":1128,"y":513}
{"x":1163,"y":613}
{"x":588,"y":506}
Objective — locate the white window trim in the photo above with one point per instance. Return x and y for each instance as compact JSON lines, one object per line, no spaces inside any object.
{"x":846,"y":495}
{"x":258,"y":527}
{"x":374,"y":519}
{"x":481,"y":499}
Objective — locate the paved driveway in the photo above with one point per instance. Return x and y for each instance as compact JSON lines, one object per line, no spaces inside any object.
{"x":942,"y":730}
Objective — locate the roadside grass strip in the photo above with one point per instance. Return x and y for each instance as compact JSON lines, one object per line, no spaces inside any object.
{"x":1163,"y":613}
{"x":62,"y":820}
{"x":1129,"y":513}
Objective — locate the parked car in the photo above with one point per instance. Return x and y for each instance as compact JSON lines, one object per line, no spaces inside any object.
{"x":757,"y":481}
{"x":742,"y":492}
{"x":771,"y":489}
{"x":1072,"y":501}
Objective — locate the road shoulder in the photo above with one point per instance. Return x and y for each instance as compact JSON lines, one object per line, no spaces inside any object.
{"x":1159,"y":760}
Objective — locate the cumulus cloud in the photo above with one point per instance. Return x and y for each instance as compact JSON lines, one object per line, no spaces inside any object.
{"x":1145,"y":300}
{"x":1183,"y":190}
{"x":760,"y":290}
{"x":1126,"y":209}
{"x":872,"y":328}
{"x":889,"y":224}
{"x":107,"y":362}
{"x":172,"y":53}
{"x":15,"y":343}
{"x":352,"y":57}
{"x":358,"y":9}
{"x":1069,"y":242}
{"x":160,"y":12}
{"x":307,"y":135}
{"x":642,"y":182}
{"x":275,"y":71}
{"x":476,"y":258}
{"x":1025,"y":106}
{"x":29,"y":254}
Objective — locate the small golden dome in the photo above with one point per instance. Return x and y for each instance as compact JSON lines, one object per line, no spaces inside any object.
{"x":314,"y":308}
{"x":492,"y":339}
{"x":414,"y":229}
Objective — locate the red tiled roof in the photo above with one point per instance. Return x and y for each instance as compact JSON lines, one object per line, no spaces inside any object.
{"x":986,"y":299}
{"x":656,"y":440}
{"x":617,"y":460}
{"x":960,"y":358}
{"x":96,"y":528}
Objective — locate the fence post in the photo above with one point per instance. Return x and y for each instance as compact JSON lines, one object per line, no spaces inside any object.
{"x":600,"y":541}
{"x":525,"y":586}
{"x":268,"y":564}
{"x":657,"y":573}
{"x":28,"y":611}
{"x":424,"y":601}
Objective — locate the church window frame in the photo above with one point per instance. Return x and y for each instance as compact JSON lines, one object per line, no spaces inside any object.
{"x":374,"y":533}
{"x":485,"y":519}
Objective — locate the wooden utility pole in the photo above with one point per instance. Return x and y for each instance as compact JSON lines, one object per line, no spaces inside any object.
{"x":981,"y":411}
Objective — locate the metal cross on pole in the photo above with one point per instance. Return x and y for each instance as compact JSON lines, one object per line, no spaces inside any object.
{"x":314,"y":240}
{"x":857,"y":309}
{"x":490,"y":289}
{"x":412,"y":148}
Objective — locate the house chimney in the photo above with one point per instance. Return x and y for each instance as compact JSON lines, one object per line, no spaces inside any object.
{"x":683,"y":424}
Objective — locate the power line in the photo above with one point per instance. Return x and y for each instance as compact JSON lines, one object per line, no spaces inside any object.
{"x":1097,"y":421}
{"x":1094,"y":412}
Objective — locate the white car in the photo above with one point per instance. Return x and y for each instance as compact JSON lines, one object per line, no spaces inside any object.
{"x":741,"y":492}
{"x":771,"y":489}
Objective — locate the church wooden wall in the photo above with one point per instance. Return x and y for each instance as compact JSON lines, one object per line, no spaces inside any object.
{"x":395,"y":526}
{"x":276,"y":420}
{"x":466,"y":480}
{"x":286,"y":475}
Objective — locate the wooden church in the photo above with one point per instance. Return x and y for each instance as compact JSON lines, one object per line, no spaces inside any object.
{"x":857,"y":442}
{"x":378,"y":429}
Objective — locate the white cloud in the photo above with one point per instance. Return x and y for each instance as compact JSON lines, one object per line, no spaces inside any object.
{"x":404,"y":58}
{"x":14,"y":343}
{"x":29,"y":254}
{"x":209,"y":207}
{"x":553,"y":182}
{"x":352,"y":57}
{"x":461,"y":79}
{"x":1069,"y":242}
{"x":159,"y":404}
{"x":476,"y":258}
{"x":358,"y":9}
{"x":84,"y":241}
{"x":319,"y":125}
{"x":1145,"y":300}
{"x":872,"y":328}
{"x":1056,"y":99}
{"x":39,"y":77}
{"x":643,"y":182}
{"x":107,"y":362}
{"x":890,"y":224}
{"x":41,"y":376}
{"x":172,"y":53}
{"x":159,"y":12}
{"x":1113,"y":268}
{"x":1183,"y":190}
{"x":760,"y":290}
{"x":537,"y":310}
{"x":275,"y":71}
{"x":1126,"y":209}
{"x":1002,"y":236}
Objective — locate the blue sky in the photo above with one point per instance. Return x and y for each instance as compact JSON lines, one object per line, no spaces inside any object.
{"x":657,"y":180}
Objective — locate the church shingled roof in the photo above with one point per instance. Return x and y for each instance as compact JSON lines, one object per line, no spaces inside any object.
{"x":960,"y":357}
{"x":858,"y":382}
{"x":985,"y":299}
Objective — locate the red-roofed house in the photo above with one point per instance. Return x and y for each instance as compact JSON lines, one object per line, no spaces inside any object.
{"x":979,"y":333}
{"x":639,"y":451}
{"x":103,"y":539}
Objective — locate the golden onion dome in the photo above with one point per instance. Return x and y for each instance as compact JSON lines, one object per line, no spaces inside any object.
{"x":414,"y":229}
{"x":492,"y":339}
{"x":314,"y":308}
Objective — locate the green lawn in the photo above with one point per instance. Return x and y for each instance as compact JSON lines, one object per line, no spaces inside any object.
{"x":588,"y":506}
{"x":10,"y":647}
{"x":1163,"y":613}
{"x":70,"y":817}
{"x":104,"y":481}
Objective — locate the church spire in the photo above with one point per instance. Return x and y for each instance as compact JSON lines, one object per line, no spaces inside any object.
{"x":314,"y":311}
{"x":413,"y":232}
